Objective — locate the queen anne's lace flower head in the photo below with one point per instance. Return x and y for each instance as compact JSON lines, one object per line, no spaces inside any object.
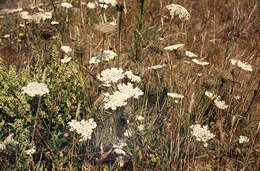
{"x":34,"y":88}
{"x":190,"y":54}
{"x":91,"y":5}
{"x":107,"y":55}
{"x":66,"y":49}
{"x":178,"y":10}
{"x":109,"y":76}
{"x":66,"y":59}
{"x":84,"y":128}
{"x":132,"y":77}
{"x":202,"y":134}
{"x":173,"y":47}
{"x":175,"y":95}
{"x":200,"y":62}
{"x":119,"y":98}
{"x":156,"y":67}
{"x":243,"y":139}
{"x":66,"y":5}
{"x":243,"y":65}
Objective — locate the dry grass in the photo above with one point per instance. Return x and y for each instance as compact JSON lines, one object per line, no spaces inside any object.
{"x":217,"y":31}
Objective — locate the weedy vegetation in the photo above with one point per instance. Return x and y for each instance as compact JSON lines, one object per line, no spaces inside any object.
{"x":130,"y":85}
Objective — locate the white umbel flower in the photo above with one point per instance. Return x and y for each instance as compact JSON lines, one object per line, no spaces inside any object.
{"x":175,"y":95}
{"x":66,"y":5}
{"x":201,"y":134}
{"x":132,"y":77}
{"x":66,"y":49}
{"x":220,"y":103}
{"x":243,"y":139}
{"x":91,"y":5}
{"x":107,"y":2}
{"x":107,"y":55}
{"x":190,"y":54}
{"x":55,"y":23}
{"x":109,"y":76}
{"x":173,"y":47}
{"x":84,"y":128}
{"x":119,"y":98}
{"x":200,"y":62}
{"x":243,"y":65}
{"x":156,"y":67}
{"x":66,"y":59}
{"x":35,"y":88}
{"x":179,"y":11}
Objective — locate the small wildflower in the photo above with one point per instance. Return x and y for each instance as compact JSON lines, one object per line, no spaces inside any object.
{"x":199,"y":62}
{"x":66,"y":49}
{"x":210,"y":95}
{"x":107,"y":55}
{"x":174,"y":47}
{"x":6,"y":36}
{"x":34,"y":88}
{"x":91,"y":5}
{"x":30,"y":151}
{"x":156,"y":67}
{"x":66,"y":59}
{"x":175,"y":95}
{"x":243,"y":139}
{"x":178,"y":10}
{"x":66,"y":5}
{"x":20,"y":34}
{"x":21,"y":25}
{"x":202,"y":134}
{"x":190,"y":54}
{"x":84,"y":128}
{"x":105,"y":3}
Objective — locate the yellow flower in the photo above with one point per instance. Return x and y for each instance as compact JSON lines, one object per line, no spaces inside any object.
{"x":19,"y":40}
{"x":20,"y":34}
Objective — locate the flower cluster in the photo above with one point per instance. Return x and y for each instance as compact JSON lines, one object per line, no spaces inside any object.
{"x":119,"y":98}
{"x":107,"y":55}
{"x":178,"y":10}
{"x":35,"y":88}
{"x":202,"y":134}
{"x":200,"y":62}
{"x":91,"y":5}
{"x":118,"y":148}
{"x":66,"y":59}
{"x":243,"y":65}
{"x":66,"y":49}
{"x":173,"y":47}
{"x":243,"y":139}
{"x":112,"y":75}
{"x":104,"y":3}
{"x":84,"y":128}
{"x":156,"y":67}
{"x":190,"y":54}
{"x":217,"y":100}
{"x":37,"y":17}
{"x":66,"y":5}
